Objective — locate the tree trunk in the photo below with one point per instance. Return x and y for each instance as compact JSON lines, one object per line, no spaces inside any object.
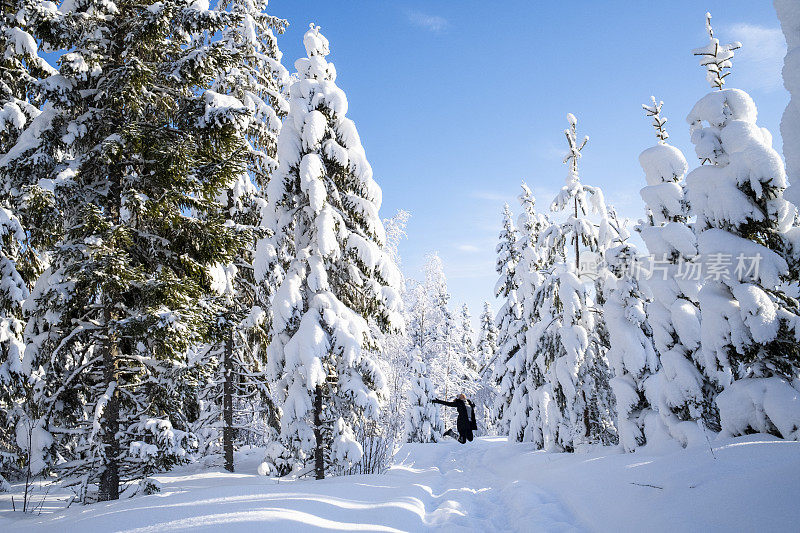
{"x":109,"y":478}
{"x":319,"y":459}
{"x":577,"y":249}
{"x":227,"y":401}
{"x":586,"y":415}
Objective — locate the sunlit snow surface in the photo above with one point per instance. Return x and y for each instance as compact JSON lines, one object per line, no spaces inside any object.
{"x":488,"y":485}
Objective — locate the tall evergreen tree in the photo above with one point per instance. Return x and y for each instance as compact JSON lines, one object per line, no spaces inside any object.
{"x":467,"y":339}
{"x":528,"y":376}
{"x":21,"y":96}
{"x":631,"y":354}
{"x":486,"y":347}
{"x":751,"y":327}
{"x":324,"y":202}
{"x":580,"y":374}
{"x":678,"y":391}
{"x":508,"y":320}
{"x":236,"y":399}
{"x":487,"y":336}
{"x":134,"y":149}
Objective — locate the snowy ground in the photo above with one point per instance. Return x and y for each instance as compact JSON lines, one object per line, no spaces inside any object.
{"x":489,"y":485}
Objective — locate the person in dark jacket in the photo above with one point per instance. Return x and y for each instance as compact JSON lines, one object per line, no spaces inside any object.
{"x":466,"y":418}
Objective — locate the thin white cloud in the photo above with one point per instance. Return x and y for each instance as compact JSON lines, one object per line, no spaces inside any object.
{"x":422,"y":20}
{"x":757,"y":65}
{"x":469,"y":248}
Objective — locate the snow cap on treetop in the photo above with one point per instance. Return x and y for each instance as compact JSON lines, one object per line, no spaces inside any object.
{"x":316,"y":44}
{"x":315,"y":66}
{"x":716,"y":58}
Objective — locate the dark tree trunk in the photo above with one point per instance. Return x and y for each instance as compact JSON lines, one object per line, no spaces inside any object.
{"x":577,"y":249}
{"x":227,"y":401}
{"x":586,"y":414}
{"x":109,"y":478}
{"x":319,"y":458}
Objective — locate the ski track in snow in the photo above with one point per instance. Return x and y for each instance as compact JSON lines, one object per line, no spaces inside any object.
{"x":432,"y":487}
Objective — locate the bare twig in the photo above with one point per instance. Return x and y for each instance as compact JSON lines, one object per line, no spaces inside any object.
{"x":647,"y":485}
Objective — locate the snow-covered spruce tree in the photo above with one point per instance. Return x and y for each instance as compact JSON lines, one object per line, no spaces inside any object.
{"x":580,"y":374}
{"x":631,"y":354}
{"x":23,"y":115}
{"x":467,"y":340}
{"x":508,"y":321}
{"x":467,"y":378}
{"x":135,"y":151}
{"x":529,"y":377}
{"x":465,"y":370}
{"x":750,"y":325}
{"x":486,"y":346}
{"x":789,"y":17}
{"x":543,"y":339}
{"x":422,"y":417}
{"x":235,"y":401}
{"x":21,"y":72}
{"x":679,"y":391}
{"x":487,"y":337}
{"x":13,"y":380}
{"x":21,"y":97}
{"x":323,"y":200}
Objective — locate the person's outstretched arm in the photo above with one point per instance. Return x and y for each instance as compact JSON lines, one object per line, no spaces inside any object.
{"x":448,"y":404}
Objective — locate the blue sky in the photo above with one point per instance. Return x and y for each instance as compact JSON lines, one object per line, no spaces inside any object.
{"x":457,"y":102}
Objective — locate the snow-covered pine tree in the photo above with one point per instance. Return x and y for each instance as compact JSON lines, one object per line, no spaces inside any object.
{"x":135,"y":151}
{"x":580,"y":375}
{"x":679,"y":391}
{"x":21,"y":69}
{"x":467,"y":340}
{"x":236,"y":401}
{"x":528,"y":275}
{"x":21,"y":96}
{"x":631,"y":354}
{"x":751,"y":328}
{"x":508,"y":321}
{"x":324,"y":201}
{"x":487,"y":336}
{"x":13,"y":379}
{"x":486,"y":347}
{"x":422,"y":417}
{"x":543,"y":339}
{"x":258,"y":80}
{"x":789,"y":16}
{"x":24,"y":113}
{"x":468,"y":380}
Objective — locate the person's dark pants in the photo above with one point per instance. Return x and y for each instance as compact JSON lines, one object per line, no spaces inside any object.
{"x":461,"y":436}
